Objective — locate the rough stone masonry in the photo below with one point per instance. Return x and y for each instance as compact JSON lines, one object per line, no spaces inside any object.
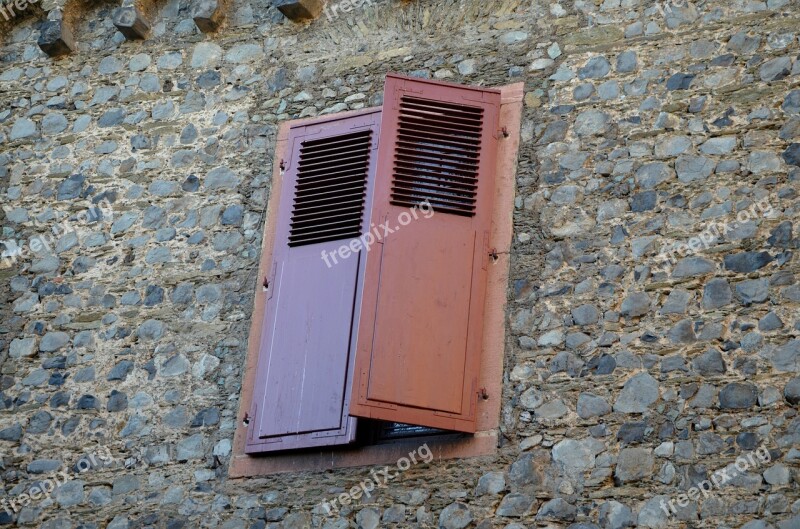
{"x":627,"y":381}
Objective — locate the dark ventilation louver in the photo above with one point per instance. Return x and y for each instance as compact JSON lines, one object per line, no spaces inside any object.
{"x":331,"y":189}
{"x":437,"y":155}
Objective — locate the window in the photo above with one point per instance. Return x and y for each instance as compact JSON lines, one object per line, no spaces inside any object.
{"x":368,"y":340}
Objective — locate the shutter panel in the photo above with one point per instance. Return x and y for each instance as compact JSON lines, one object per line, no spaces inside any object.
{"x":421,"y":332}
{"x":305,"y":366}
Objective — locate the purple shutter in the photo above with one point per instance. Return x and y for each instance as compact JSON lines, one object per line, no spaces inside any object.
{"x":306,"y":357}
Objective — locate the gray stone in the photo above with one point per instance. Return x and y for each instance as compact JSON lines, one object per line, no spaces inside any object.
{"x":676,"y":302}
{"x":47,"y":265}
{"x":232,"y":216}
{"x":792,"y":391}
{"x":615,"y":515}
{"x":175,"y":366}
{"x":554,"y":409}
{"x":592,"y":123}
{"x":693,"y":267}
{"x":70,"y":494}
{"x":573,"y":455}
{"x":634,"y":464}
{"x":790,"y":130}
{"x":368,"y":518}
{"x":775,"y":69}
{"x":124,"y":222}
{"x":592,"y":406}
{"x":53,"y":341}
{"x":88,"y":402}
{"x":638,"y":394}
{"x":652,"y":516}
{"x":151,"y":330}
{"x":190,"y":448}
{"x":169,"y":61}
{"x":244,"y":53}
{"x":205,"y":55}
{"x":221,"y":178}
{"x":635,"y":305}
{"x":744,"y":44}
{"x":752,"y":291}
{"x":44,"y":466}
{"x":792,"y":154}
{"x":557,"y":509}
{"x":738,"y":396}
{"x":608,"y":91}
{"x":22,"y":347}
{"x":131,"y":22}
{"x":778,"y":475}
{"x":651,"y":175}
{"x":120,"y":371}
{"x":23,"y":128}
{"x":512,"y":505}
{"x":644,"y":201}
{"x":612,"y":209}
{"x":12,"y":433}
{"x":791,"y":105}
{"x":672,"y":146}
{"x":455,"y":516}
{"x":770,"y":322}
{"x":786,"y":358}
{"x":760,"y":162}
{"x":585,"y":315}
{"x":680,"y":81}
{"x":206,"y":417}
{"x":709,"y":363}
{"x":721,"y":145}
{"x":111,"y":118}
{"x":54,"y":123}
{"x":39,"y":422}
{"x":71,"y":187}
{"x":682,"y":332}
{"x":717,"y":293}
{"x":117,"y":401}
{"x":693,"y":168}
{"x":491,"y":483}
{"x":139,"y":62}
{"x":583,"y":91}
{"x":595,"y":68}
{"x":627,"y":62}
{"x":55,"y":38}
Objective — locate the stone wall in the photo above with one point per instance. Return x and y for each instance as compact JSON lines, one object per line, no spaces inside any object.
{"x":629,"y":377}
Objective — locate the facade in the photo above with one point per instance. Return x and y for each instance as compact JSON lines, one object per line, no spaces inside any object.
{"x":650,"y":337}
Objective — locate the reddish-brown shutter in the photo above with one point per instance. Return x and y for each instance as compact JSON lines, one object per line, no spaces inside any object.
{"x":305,"y":366}
{"x":421,"y":332}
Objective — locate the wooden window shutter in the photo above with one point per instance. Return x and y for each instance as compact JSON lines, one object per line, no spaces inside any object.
{"x":421,"y":321}
{"x":306,"y":356}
